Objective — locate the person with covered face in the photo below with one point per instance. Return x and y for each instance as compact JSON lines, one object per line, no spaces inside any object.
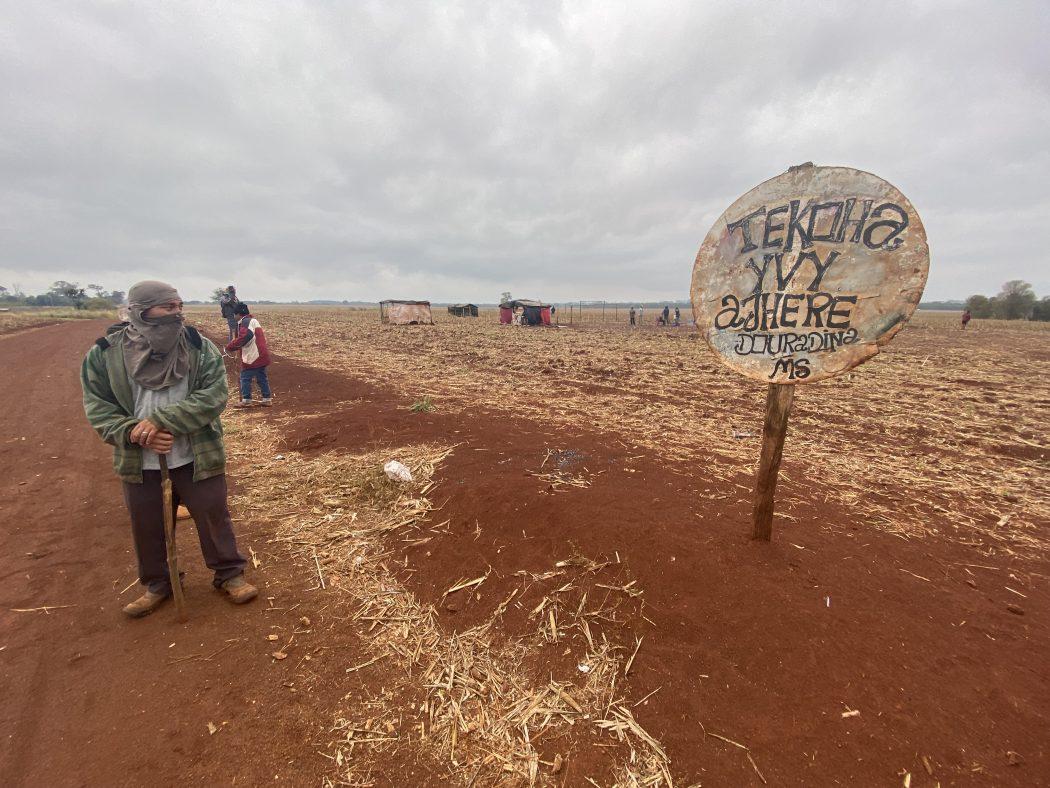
{"x":228,"y":305}
{"x":154,"y":386}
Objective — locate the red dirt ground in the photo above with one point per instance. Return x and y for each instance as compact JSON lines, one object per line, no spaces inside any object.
{"x":765,"y":644}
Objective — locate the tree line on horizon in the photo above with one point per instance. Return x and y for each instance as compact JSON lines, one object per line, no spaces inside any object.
{"x":1016,"y":301}
{"x":63,"y":293}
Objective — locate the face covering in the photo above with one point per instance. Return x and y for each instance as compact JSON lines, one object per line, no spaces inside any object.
{"x":155,"y":351}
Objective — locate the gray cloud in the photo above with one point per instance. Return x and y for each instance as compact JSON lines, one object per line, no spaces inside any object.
{"x":455,"y":150}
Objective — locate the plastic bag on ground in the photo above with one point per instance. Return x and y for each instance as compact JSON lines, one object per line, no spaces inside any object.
{"x":397,"y":471}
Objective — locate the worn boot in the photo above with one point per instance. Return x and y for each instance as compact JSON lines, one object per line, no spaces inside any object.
{"x":145,"y":604}
{"x":243,"y":403}
{"x":240,"y":590}
{"x":266,"y":402}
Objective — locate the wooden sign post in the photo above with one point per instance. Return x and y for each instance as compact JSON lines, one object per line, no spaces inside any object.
{"x":778,"y":408}
{"x":803,"y":278}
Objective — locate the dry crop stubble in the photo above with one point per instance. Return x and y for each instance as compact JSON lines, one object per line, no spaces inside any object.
{"x":24,"y":319}
{"x":944,"y":433}
{"x":470,"y":704}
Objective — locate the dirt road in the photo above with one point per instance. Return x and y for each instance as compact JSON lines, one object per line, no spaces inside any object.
{"x":91,"y":698}
{"x":772,"y":646}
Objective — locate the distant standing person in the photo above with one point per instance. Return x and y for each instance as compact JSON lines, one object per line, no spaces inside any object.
{"x":227,"y":301}
{"x":632,"y":314}
{"x":554,"y":315}
{"x":255,"y":356}
{"x":677,"y":317}
{"x":641,"y":319}
{"x":966,"y":318}
{"x":154,"y":386}
{"x":667,"y":315}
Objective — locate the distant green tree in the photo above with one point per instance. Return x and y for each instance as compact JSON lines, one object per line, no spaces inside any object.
{"x":117,"y":296}
{"x":1041,"y":310}
{"x":55,"y":295}
{"x":1015,"y":301}
{"x":979,"y":306}
{"x":70,"y":293}
{"x":217,"y":293}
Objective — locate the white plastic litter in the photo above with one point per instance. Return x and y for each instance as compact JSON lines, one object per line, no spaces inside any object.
{"x":397,"y":471}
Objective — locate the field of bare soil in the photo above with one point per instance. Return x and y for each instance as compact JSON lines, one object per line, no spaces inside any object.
{"x":565,"y":593}
{"x":911,"y":488}
{"x":23,"y":319}
{"x":944,"y":434}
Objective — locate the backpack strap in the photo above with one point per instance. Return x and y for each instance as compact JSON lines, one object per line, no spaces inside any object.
{"x":103,"y":342}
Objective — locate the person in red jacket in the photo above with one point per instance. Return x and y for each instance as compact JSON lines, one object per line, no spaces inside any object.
{"x":255,"y":356}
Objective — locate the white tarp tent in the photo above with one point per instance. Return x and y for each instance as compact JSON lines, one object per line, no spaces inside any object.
{"x":405,"y":313}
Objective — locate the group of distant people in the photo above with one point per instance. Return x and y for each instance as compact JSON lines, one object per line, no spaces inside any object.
{"x":636,"y":316}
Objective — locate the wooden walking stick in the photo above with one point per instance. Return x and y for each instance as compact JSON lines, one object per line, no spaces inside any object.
{"x":169,"y":539}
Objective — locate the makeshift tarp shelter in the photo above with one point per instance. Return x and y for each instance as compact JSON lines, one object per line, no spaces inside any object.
{"x":405,"y":313}
{"x":463,"y":310}
{"x":533,"y":313}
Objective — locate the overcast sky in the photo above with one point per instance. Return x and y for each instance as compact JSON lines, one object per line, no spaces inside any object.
{"x":452,"y":151}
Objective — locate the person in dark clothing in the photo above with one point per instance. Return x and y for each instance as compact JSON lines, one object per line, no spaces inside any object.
{"x":632,"y":315}
{"x":227,"y":302}
{"x":667,"y":315}
{"x":966,"y":318}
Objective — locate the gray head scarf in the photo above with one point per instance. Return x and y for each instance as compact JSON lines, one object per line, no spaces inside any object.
{"x":155,"y":351}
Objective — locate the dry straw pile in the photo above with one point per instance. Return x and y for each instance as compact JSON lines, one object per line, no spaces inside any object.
{"x":471,"y":705}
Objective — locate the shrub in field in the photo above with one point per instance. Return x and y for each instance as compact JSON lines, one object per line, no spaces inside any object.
{"x":422,"y":406}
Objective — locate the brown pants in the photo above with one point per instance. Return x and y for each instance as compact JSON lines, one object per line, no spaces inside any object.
{"x":206,"y":501}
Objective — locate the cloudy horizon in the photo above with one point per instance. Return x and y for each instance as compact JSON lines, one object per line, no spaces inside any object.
{"x":453,"y":151}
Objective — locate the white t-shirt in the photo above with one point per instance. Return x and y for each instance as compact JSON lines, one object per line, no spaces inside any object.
{"x":148,"y":401}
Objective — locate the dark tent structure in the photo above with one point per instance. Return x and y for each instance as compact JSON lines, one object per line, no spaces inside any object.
{"x":463,"y":310}
{"x":532,"y":313}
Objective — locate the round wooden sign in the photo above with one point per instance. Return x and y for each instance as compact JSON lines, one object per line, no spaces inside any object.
{"x":809,"y":274}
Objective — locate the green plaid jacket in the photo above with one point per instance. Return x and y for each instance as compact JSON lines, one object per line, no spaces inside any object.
{"x":110,"y":405}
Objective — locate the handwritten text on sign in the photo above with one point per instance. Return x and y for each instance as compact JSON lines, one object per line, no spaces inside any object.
{"x":806,"y":275}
